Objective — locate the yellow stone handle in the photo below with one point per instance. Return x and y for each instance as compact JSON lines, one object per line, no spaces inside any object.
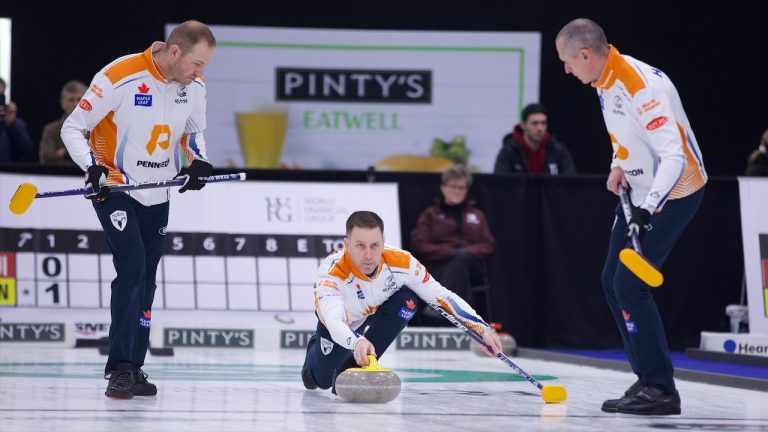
{"x":373,"y":366}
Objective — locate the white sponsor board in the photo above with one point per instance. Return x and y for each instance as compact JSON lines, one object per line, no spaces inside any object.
{"x":345,"y":99}
{"x":46,"y":333}
{"x":91,"y":330}
{"x":735,"y":343}
{"x":247,"y":249}
{"x":265,"y":337}
{"x":753,"y":195}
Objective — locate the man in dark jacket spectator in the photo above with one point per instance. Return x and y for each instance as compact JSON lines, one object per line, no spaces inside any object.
{"x":530,"y":149}
{"x":452,"y":237}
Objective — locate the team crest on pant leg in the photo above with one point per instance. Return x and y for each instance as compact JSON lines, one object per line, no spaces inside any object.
{"x":326,"y":346}
{"x":119,"y":219}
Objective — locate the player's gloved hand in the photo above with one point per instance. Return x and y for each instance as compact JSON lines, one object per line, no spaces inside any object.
{"x":197,"y":169}
{"x":640,"y":223}
{"x":96,"y":178}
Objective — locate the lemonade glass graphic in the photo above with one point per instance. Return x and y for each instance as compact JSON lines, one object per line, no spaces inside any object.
{"x":261,"y":135}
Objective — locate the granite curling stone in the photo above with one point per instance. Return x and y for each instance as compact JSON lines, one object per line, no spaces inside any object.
{"x":369,"y":384}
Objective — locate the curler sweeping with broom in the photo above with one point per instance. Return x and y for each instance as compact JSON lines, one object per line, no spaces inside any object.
{"x":139,"y":113}
{"x":656,"y":157}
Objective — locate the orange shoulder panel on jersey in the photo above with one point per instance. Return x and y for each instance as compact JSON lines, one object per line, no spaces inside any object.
{"x":692,"y":178}
{"x":396,"y":258}
{"x":104,"y":145}
{"x":630,"y":77}
{"x":617,"y":68}
{"x":342,"y":268}
{"x":131,"y":65}
{"x":345,"y":266}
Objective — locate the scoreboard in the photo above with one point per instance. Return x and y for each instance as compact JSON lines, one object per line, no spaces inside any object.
{"x":217,"y":271}
{"x":245,"y":247}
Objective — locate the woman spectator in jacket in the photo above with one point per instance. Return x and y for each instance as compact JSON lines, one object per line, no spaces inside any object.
{"x":452,"y":237}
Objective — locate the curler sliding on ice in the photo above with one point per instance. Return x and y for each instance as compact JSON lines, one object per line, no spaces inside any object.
{"x":27,"y":192}
{"x":633,"y":257}
{"x":365,"y":295}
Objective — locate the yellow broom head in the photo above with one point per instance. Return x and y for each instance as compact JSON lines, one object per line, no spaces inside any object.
{"x":643,"y":269}
{"x":23,"y":198}
{"x":553,"y":394}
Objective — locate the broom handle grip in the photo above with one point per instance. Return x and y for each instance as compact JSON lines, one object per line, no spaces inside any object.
{"x":625,"y":204}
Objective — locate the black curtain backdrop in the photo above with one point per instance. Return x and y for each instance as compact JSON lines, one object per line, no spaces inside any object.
{"x":552,"y":236}
{"x":715,"y":54}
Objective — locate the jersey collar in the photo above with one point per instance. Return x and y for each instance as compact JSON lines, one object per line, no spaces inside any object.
{"x":347,"y":262}
{"x":151,"y":65}
{"x":611,"y":69}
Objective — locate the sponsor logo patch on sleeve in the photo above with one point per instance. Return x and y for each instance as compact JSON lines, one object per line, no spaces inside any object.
{"x":426,"y":276}
{"x":325,"y":283}
{"x":96,"y":90}
{"x":85,"y":105}
{"x":647,"y":106}
{"x":657,"y":123}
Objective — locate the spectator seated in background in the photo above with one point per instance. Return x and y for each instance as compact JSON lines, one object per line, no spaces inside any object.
{"x":52,"y":150}
{"x":530,"y":149}
{"x":452,"y":238}
{"x":757,"y":164}
{"x":15,"y":143}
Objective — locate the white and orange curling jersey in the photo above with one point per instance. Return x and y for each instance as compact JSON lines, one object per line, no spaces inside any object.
{"x":345,"y":297}
{"x":652,"y":139}
{"x":138,"y":123}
